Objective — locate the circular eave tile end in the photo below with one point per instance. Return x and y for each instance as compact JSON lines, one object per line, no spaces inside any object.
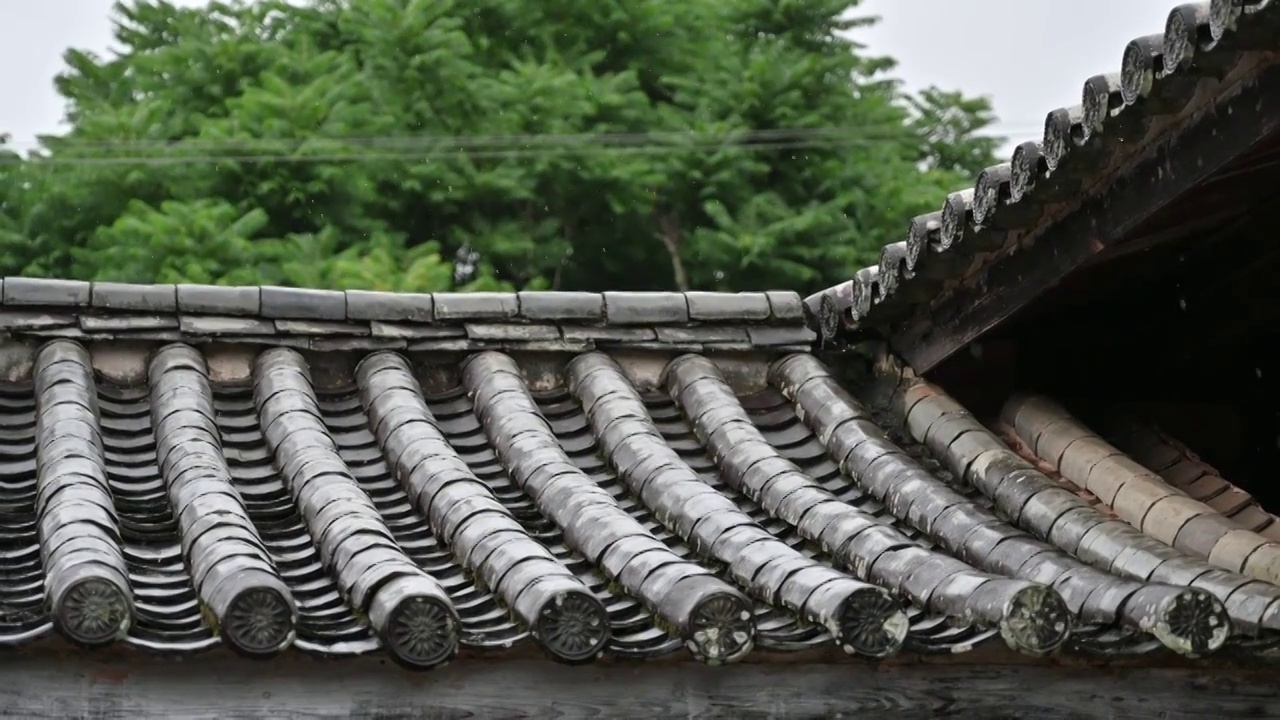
{"x":1036,"y":621}
{"x":1223,"y":15}
{"x":872,"y":624}
{"x":94,"y":612}
{"x":573,"y":628}
{"x":422,"y":632}
{"x":721,"y":629}
{"x":1179,"y":40}
{"x":259,"y":622}
{"x":1192,"y":623}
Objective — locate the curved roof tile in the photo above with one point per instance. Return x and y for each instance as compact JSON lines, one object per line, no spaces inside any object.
{"x":253,"y":482}
{"x":1082,"y":146}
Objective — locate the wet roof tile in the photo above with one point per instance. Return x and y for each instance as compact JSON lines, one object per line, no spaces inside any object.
{"x":1083,"y":145}
{"x":224,"y":483}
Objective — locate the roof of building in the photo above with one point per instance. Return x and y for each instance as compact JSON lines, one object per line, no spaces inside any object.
{"x":625,"y":474}
{"x":1129,"y":120}
{"x":622,"y":474}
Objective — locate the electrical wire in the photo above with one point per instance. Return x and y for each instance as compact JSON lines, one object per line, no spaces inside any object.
{"x":401,"y":141}
{"x":322,"y":149}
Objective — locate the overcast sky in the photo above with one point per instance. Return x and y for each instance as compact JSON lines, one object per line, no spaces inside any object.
{"x":1029,"y":56}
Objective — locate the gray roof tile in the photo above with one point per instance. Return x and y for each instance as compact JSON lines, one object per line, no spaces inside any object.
{"x":476,"y":306}
{"x":1159,"y":76}
{"x":712,"y":307}
{"x":215,"y":325}
{"x":785,"y":306}
{"x":499,"y":331}
{"x":45,"y":291}
{"x":573,"y":306}
{"x":781,"y":336}
{"x":637,"y":308}
{"x":115,"y":323}
{"x":303,"y":303}
{"x":219,"y":300}
{"x":358,"y":320}
{"x":321,"y":327}
{"x":410,"y":307}
{"x":717,"y":484}
{"x":702,"y":334}
{"x":140,"y":298}
{"x":407,"y":330}
{"x":34,"y":319}
{"x":613,"y":334}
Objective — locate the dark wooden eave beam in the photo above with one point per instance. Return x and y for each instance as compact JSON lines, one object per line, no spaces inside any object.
{"x":1208,"y":143}
{"x":48,"y":685}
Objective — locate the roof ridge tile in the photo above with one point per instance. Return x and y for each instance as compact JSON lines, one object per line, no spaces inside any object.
{"x":1159,"y":75}
{"x":317,"y":319}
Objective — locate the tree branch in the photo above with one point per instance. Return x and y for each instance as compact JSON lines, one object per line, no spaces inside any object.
{"x":673,"y":240}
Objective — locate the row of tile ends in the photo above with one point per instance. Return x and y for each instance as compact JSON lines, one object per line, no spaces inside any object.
{"x":1159,"y":74}
{"x":88,"y":587}
{"x":288,"y":303}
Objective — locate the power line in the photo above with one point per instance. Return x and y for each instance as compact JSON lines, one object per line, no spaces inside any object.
{"x":580,"y":151}
{"x":392,"y":148}
{"x":501,"y":141}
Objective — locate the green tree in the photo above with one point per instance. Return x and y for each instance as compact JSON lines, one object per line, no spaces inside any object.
{"x":10,"y":229}
{"x":435,"y":144}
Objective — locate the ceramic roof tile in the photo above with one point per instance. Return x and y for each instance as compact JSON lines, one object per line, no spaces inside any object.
{"x":1159,"y":76}
{"x":594,"y":503}
{"x":359,"y":320}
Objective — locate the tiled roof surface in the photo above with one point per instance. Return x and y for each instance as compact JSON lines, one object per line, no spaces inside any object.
{"x":1121,"y":114}
{"x":177,"y":490}
{"x":1181,"y":468}
{"x":360,"y":320}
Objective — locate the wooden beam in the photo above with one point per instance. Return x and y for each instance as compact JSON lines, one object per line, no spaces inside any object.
{"x":1171,"y":168}
{"x":209,"y":687}
{"x":1212,"y":224}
